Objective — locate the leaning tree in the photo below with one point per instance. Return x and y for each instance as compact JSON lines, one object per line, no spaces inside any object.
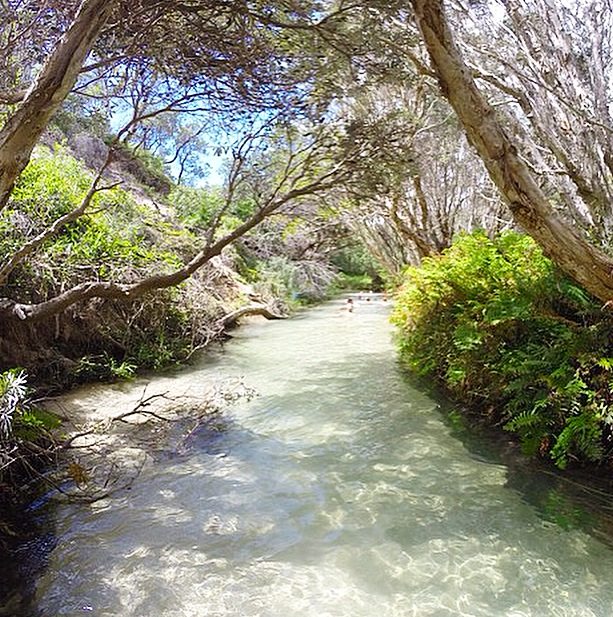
{"x":247,"y":64}
{"x":501,"y":151}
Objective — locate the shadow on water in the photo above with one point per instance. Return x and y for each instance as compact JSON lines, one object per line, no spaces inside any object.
{"x":571,"y":499}
{"x":26,"y":543}
{"x":214,"y":441}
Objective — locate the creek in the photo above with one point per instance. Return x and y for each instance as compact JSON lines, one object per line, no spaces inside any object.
{"x":341,"y":489}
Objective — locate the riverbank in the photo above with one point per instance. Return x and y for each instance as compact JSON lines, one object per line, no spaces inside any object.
{"x":579,"y":496}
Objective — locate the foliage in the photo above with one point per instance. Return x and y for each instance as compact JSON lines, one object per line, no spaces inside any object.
{"x":52,"y":184}
{"x":13,"y":393}
{"x":358,"y":269}
{"x":195,"y":206}
{"x":20,"y":421}
{"x":503,"y":330}
{"x":104,"y":367}
{"x":79,"y":116}
{"x":117,"y":239}
{"x":108,"y":249}
{"x":352,"y":282}
{"x":300,"y":281}
{"x":111,"y":240}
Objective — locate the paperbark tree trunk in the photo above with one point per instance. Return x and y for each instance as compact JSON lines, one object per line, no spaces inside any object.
{"x":23,"y":129}
{"x":529,"y":206}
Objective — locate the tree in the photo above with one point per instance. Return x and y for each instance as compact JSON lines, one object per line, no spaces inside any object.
{"x":531,"y":209}
{"x":152,"y":59}
{"x":547,"y":77}
{"x":58,"y":75}
{"x":442,"y":190}
{"x":305,"y":163}
{"x":228,"y":53}
{"x":430,"y":185}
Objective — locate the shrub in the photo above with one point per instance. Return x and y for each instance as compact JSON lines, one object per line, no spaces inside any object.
{"x":497,"y":324}
{"x":114,"y":239}
{"x":52,"y":184}
{"x":195,"y":206}
{"x":118,"y":240}
{"x":358,"y":268}
{"x":21,"y":424}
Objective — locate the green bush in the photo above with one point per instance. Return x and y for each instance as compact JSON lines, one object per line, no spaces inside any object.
{"x":195,"y":206}
{"x":52,"y":184}
{"x":352,"y":282}
{"x":198,"y":206}
{"x":504,"y":331}
{"x":358,"y":268}
{"x":119,"y":240}
{"x":109,"y":241}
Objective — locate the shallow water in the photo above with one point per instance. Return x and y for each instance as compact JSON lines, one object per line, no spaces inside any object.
{"x":340,"y":490}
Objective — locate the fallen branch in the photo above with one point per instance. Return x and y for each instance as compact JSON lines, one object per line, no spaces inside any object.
{"x":111,"y":458}
{"x":140,"y":409}
{"x":252,"y":309}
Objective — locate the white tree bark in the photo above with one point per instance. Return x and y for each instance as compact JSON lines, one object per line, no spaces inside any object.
{"x":23,"y":129}
{"x":528,"y":204}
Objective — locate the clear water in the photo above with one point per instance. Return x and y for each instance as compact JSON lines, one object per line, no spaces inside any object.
{"x":339,"y":491}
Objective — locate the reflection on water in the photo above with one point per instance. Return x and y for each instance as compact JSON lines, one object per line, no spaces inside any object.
{"x":340,"y":490}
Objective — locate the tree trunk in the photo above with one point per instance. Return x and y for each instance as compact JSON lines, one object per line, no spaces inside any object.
{"x":247,"y":311}
{"x":528,"y":204}
{"x":23,"y":129}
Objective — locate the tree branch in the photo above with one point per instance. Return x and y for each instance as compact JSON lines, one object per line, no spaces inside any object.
{"x":21,"y":132}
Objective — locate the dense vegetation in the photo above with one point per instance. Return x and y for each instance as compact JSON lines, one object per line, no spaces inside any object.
{"x":498,"y":325}
{"x":341,"y":130}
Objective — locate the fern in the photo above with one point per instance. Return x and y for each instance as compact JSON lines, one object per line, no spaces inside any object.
{"x":581,"y":437}
{"x":496,"y":323}
{"x":605,"y":363}
{"x":524,"y":422}
{"x":575,"y":294}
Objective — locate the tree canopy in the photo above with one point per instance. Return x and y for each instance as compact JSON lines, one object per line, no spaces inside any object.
{"x":361,"y":105}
